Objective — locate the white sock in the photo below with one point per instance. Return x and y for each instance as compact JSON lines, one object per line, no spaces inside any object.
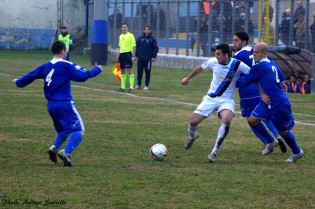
{"x":192,"y":130}
{"x":52,"y":147}
{"x":222,"y":133}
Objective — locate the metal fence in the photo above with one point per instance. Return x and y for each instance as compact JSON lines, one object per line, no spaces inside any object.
{"x":189,"y":27}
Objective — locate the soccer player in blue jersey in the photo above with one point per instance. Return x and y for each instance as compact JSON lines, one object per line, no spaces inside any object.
{"x":57,"y":75}
{"x":220,"y":96}
{"x":276,"y":106}
{"x":249,"y":95}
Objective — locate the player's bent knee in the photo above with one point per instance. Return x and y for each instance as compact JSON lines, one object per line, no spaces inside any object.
{"x":283,"y":133}
{"x":253,"y":121}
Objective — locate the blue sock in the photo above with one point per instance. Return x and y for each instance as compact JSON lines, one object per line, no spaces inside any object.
{"x":60,"y":139}
{"x":74,"y":142}
{"x":291,"y":142}
{"x":259,"y":136}
{"x":261,"y":129}
{"x":272,"y":128}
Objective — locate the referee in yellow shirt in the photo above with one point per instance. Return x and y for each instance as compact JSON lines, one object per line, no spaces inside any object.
{"x":127,"y":46}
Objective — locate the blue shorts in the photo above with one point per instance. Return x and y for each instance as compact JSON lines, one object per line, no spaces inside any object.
{"x":65,"y":116}
{"x":248,"y":105}
{"x":281,"y":115}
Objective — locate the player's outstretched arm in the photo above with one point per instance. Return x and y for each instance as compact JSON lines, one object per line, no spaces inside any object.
{"x":100,"y":67}
{"x":196,"y":71}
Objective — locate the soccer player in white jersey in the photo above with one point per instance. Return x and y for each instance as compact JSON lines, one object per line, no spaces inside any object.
{"x":57,"y":75}
{"x":220,"y":96}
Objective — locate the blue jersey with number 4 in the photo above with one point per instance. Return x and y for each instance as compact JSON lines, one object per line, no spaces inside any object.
{"x":57,"y":75}
{"x":269,"y":78}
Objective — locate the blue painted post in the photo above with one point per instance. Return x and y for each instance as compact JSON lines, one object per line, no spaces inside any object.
{"x":99,"y":43}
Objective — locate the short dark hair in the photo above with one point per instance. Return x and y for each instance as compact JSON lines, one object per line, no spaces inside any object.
{"x":57,"y":47}
{"x":242,"y":35}
{"x":225,"y":48}
{"x":292,"y":75}
{"x":147,"y":26}
{"x":124,"y":23}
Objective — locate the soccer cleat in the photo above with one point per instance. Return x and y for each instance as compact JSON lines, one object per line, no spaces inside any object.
{"x":269,"y":147}
{"x":130,"y":90}
{"x":283,"y":147}
{"x":212,"y":157}
{"x":121,"y":90}
{"x":145,"y":88}
{"x":295,"y":157}
{"x":53,"y":154}
{"x":138,"y":87}
{"x":65,"y":157}
{"x":190,"y":141}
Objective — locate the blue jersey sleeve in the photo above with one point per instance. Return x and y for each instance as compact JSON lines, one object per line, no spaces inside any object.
{"x":252,"y":77}
{"x":79,"y":74}
{"x":30,"y":77}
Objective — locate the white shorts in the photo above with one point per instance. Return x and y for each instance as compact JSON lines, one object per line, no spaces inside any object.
{"x":209,"y":105}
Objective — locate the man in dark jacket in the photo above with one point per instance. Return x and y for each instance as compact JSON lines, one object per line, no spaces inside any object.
{"x":312,"y":29}
{"x":146,"y":52}
{"x":284,"y":29}
{"x":204,"y":36}
{"x":240,"y":25}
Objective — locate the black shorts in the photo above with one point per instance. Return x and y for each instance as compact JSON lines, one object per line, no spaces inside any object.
{"x":125,"y":60}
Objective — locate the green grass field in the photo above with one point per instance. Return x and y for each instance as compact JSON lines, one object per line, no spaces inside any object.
{"x":112,"y":167}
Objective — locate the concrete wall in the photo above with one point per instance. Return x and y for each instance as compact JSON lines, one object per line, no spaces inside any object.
{"x":28,"y":14}
{"x":32,"y":24}
{"x":168,"y":60}
{"x":26,"y":38}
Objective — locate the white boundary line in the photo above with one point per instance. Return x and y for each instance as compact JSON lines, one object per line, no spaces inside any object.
{"x":168,"y":100}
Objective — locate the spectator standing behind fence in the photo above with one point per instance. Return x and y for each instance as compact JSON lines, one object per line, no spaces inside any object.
{"x":227,"y":30}
{"x":118,"y":15}
{"x":146,"y":52}
{"x":265,"y":12}
{"x":204,"y":36}
{"x":284,"y":29}
{"x":298,"y":10}
{"x":127,"y":46}
{"x":288,"y":13}
{"x":240,"y":26}
{"x":299,"y":27}
{"x":65,"y":37}
{"x":225,"y":23}
{"x":312,"y":29}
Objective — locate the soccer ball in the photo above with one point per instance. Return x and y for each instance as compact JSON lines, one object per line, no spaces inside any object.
{"x":158,"y":152}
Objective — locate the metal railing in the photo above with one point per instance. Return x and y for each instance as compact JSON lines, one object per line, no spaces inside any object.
{"x":177,"y":24}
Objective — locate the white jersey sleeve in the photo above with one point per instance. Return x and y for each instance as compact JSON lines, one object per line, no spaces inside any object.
{"x":210,"y":64}
{"x":243,"y":68}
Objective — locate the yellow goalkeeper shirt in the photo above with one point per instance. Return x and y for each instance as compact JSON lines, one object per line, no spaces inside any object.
{"x":126,"y":42}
